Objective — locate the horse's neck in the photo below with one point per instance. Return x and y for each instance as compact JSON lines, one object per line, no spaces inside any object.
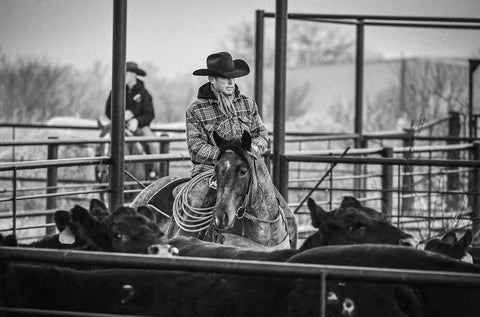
{"x":264,"y":205}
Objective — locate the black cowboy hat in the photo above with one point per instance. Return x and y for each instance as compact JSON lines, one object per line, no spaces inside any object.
{"x":222,"y":64}
{"x":133,"y":67}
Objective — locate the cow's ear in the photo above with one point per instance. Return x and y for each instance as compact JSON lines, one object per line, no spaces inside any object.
{"x":450,"y":238}
{"x":350,"y":201}
{"x":9,"y":241}
{"x":317,"y":213}
{"x":147,"y":212}
{"x":356,"y":220}
{"x":218,"y":139}
{"x":466,"y":240}
{"x":98,"y":209}
{"x":62,"y":219}
{"x":246,"y":140}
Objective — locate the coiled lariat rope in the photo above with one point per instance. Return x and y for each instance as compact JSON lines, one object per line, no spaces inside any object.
{"x":187,"y":217}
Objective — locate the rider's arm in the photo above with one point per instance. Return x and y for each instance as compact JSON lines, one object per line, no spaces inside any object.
{"x":258,"y":131}
{"x":147,"y":114}
{"x":197,"y":141}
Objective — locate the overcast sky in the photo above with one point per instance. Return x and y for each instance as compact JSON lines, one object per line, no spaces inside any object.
{"x":177,"y":35}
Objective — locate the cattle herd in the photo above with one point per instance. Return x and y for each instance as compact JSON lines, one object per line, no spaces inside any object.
{"x":351,"y":235}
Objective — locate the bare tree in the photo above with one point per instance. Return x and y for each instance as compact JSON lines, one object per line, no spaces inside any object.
{"x":308,"y":44}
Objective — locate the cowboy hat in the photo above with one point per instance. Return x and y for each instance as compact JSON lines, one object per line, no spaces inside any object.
{"x":222,"y":64}
{"x":133,"y":67}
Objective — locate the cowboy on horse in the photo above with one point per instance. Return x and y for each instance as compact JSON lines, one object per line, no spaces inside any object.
{"x":225,"y":138}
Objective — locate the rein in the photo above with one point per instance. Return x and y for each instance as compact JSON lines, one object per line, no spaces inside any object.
{"x":196,"y":219}
{"x":242,"y":211}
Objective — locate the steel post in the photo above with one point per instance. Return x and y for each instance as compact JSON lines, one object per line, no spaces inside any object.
{"x":52,"y":182}
{"x":259,"y":55}
{"x":279,"y":100}
{"x":118,"y":103}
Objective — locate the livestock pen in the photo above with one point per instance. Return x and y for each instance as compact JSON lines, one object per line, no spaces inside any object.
{"x":366,"y":179}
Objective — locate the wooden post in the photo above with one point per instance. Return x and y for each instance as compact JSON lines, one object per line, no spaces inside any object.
{"x":52,"y":182}
{"x":387,"y":184}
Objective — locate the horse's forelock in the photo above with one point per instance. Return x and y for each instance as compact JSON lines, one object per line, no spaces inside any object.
{"x":235,"y":146}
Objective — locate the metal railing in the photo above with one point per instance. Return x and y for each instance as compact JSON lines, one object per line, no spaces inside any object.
{"x":238,"y":267}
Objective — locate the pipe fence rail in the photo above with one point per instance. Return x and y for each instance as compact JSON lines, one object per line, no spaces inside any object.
{"x":235,"y":267}
{"x":395,"y":182}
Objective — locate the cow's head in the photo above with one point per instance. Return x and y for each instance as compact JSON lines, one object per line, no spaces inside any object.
{"x":351,"y":226}
{"x":125,"y":230}
{"x":451,"y":246}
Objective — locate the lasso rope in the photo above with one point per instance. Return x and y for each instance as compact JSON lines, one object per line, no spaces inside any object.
{"x":187,"y":217}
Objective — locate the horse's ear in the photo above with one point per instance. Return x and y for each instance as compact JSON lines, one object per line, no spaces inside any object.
{"x":218,"y":139}
{"x":246,"y":140}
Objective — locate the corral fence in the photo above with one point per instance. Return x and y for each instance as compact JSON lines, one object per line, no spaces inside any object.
{"x":426,"y":183}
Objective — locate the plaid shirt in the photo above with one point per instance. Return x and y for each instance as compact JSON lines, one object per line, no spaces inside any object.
{"x":203,"y":117}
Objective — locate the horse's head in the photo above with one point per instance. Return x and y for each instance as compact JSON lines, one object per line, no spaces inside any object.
{"x":234,"y":171}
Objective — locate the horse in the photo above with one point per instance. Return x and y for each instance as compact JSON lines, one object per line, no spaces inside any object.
{"x":247,"y":209}
{"x":137,"y":171}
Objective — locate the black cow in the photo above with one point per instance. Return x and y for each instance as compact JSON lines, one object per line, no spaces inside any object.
{"x":67,"y":237}
{"x":436,"y":300}
{"x":352,"y":224}
{"x":342,"y":227}
{"x":175,"y":293}
{"x":453,"y":247}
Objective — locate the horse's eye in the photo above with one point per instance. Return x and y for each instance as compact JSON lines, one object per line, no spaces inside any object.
{"x":243,"y":172}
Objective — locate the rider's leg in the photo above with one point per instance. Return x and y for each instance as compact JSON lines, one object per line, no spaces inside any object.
{"x":150,"y":148}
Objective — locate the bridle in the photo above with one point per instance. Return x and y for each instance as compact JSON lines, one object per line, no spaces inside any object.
{"x":242,"y":211}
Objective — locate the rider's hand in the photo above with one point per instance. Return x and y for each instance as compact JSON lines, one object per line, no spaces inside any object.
{"x":132,"y":125}
{"x":254,"y":148}
{"x":128,"y":115}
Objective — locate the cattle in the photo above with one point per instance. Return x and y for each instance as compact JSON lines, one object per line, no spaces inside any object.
{"x":436,"y":300}
{"x":67,"y":236}
{"x":176,"y":293}
{"x":453,"y":247}
{"x":342,"y":227}
{"x":352,"y":224}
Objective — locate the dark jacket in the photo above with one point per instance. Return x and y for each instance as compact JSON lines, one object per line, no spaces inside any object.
{"x":138,"y":101}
